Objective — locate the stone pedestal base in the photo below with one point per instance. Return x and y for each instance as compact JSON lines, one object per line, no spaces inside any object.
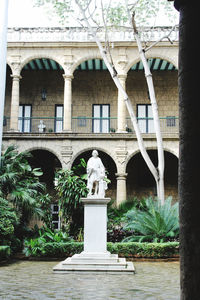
{"x":95,"y":257}
{"x":82,"y":263}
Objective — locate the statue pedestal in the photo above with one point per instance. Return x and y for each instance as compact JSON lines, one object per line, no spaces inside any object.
{"x":95,"y":257}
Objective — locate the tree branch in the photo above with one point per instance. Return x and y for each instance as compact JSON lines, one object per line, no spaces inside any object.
{"x":162,"y":38}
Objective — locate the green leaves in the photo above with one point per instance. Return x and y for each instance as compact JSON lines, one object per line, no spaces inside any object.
{"x":36,"y":246}
{"x":157,"y":223}
{"x":114,"y":12}
{"x":70,"y":189}
{"x":8,"y":219}
{"x":20,"y":185}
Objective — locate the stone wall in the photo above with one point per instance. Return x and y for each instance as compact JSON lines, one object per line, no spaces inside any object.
{"x":92,"y":87}
{"x":166,"y":89}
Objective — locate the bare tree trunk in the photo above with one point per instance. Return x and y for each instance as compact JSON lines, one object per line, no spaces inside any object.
{"x":156,"y":172}
{"x":149,"y":79}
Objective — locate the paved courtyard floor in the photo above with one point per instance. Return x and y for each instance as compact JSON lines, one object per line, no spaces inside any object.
{"x":33,"y":280}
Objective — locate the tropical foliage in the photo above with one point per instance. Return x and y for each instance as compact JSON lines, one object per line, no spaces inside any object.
{"x":19,"y":183}
{"x":22,"y":196}
{"x":35,"y":246}
{"x":8,"y":220}
{"x":71,"y":188}
{"x":116,"y":230}
{"x":155,"y":223}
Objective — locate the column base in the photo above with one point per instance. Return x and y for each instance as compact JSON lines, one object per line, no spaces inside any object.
{"x":67,"y":131}
{"x":13,"y":130}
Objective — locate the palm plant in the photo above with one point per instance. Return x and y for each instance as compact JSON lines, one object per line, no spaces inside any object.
{"x":19,"y":183}
{"x":156,"y":223}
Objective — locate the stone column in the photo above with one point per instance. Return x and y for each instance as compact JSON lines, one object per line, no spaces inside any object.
{"x":189,"y":190}
{"x":14,"y":113}
{"x":67,"y":122}
{"x":121,"y":188}
{"x":121,"y":113}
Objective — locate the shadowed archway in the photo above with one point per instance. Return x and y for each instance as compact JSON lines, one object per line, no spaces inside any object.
{"x":48,"y":163}
{"x":140,"y":182}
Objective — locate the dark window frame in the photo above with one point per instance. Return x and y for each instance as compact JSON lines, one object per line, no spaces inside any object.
{"x":23,"y":118}
{"x":100,"y":118}
{"x":58,"y":118}
{"x":146,"y":118}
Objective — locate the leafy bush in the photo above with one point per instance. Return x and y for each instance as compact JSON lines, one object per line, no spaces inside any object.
{"x":4,"y":252}
{"x":145,"y":250}
{"x":70,"y":189}
{"x":8,"y":219}
{"x":36,"y":246}
{"x":156,"y":223}
{"x":116,"y":232}
{"x":129,"y":250}
{"x":21,"y":197}
{"x":20,"y":185}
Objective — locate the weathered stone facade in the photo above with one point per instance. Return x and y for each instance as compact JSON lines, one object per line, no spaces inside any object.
{"x":78,"y":91}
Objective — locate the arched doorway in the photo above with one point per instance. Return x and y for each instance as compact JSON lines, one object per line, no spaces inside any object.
{"x":41,"y":96}
{"x":94,"y":98}
{"x":110,"y":167}
{"x":49,"y":164}
{"x":140,"y":182}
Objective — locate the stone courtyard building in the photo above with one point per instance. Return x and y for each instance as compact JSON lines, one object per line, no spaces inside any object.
{"x":61,"y":103}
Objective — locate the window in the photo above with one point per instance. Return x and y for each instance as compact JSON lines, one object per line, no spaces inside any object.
{"x":171,"y":121}
{"x":55,"y":216}
{"x":101,"y":118}
{"x":58,"y":118}
{"x":24,"y":121}
{"x":145,"y":118}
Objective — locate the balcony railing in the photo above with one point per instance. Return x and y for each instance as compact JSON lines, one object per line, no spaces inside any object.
{"x":169,"y":125}
{"x":79,"y":34}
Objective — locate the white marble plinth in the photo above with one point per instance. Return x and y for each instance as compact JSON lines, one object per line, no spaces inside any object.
{"x":95,"y":257}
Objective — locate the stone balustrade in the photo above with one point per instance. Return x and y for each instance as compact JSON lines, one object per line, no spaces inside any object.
{"x":79,"y":34}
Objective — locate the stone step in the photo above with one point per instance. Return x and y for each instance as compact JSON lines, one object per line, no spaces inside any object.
{"x":94,"y":264}
{"x":127,"y":268}
{"x":86,"y":260}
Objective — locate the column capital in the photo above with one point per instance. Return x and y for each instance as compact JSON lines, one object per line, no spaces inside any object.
{"x":16,"y":76}
{"x":68,"y":77}
{"x":121,"y":176}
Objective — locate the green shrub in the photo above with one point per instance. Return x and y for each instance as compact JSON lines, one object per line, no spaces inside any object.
{"x":148,"y":250}
{"x":132,"y":249}
{"x":4,"y":252}
{"x":37,"y":246}
{"x":71,"y":188}
{"x":8,"y":219}
{"x":155,"y":223}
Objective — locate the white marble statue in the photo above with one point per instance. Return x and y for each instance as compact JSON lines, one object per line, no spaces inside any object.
{"x":41,"y":126}
{"x":96,"y":176}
